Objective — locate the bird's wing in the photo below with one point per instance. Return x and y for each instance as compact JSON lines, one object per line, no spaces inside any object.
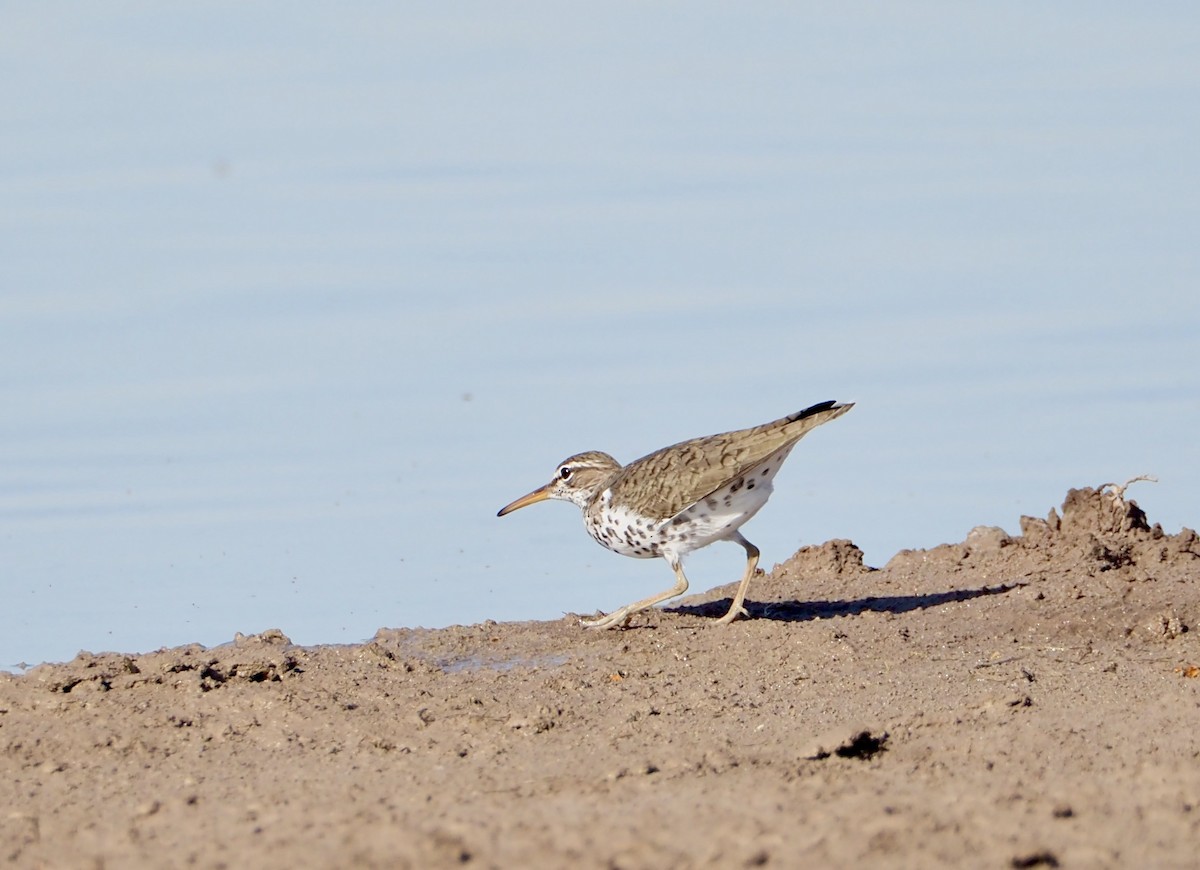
{"x":669,"y":481}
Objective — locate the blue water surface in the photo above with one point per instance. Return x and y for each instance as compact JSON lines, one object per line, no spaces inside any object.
{"x":293,"y":299}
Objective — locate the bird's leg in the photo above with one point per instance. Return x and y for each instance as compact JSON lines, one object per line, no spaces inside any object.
{"x":736,"y":609}
{"x":620,"y":616}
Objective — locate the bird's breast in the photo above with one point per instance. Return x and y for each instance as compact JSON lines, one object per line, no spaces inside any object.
{"x":622,"y":530}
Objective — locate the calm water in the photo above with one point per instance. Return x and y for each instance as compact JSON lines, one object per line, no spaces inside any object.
{"x":291,"y":304}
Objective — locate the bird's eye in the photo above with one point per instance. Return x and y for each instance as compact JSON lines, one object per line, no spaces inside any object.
{"x":565,"y":472}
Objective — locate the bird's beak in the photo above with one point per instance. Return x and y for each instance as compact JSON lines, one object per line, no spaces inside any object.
{"x":539,"y":494}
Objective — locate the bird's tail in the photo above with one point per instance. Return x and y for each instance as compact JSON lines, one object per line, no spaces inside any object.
{"x":799,"y":424}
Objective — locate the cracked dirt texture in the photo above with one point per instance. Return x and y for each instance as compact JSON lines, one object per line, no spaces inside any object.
{"x":1026,"y":700}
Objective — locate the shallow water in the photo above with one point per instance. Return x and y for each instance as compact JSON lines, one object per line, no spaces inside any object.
{"x":291,"y":307}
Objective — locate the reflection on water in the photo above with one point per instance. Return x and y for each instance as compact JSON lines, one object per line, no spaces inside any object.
{"x":482,"y":663}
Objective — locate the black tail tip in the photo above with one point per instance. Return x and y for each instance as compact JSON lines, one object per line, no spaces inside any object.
{"x":814,"y":409}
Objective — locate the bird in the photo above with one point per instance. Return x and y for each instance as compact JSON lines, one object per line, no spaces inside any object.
{"x":680,"y":498}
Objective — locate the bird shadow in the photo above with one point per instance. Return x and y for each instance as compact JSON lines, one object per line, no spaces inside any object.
{"x":804,"y":611}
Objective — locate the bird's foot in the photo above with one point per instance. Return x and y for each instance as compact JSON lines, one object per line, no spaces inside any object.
{"x":610,"y":620}
{"x":735,"y":612}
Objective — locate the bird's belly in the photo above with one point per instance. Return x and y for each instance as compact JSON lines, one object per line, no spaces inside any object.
{"x":715,"y":518}
{"x":709,"y":520}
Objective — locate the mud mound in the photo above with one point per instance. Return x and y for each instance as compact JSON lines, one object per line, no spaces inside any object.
{"x":1101,"y":550}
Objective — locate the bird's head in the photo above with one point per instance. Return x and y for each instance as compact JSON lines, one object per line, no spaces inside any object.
{"x":577,"y":479}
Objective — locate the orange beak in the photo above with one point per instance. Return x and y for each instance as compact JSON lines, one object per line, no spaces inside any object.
{"x":539,"y":494}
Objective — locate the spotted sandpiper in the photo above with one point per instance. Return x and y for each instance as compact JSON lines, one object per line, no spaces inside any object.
{"x":680,"y":498}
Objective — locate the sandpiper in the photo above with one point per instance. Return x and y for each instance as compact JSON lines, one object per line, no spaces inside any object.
{"x":680,"y":498}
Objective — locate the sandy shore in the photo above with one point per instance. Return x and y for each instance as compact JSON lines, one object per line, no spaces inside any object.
{"x":1025,"y":701}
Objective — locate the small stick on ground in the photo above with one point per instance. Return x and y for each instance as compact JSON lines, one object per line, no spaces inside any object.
{"x":1119,"y":489}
